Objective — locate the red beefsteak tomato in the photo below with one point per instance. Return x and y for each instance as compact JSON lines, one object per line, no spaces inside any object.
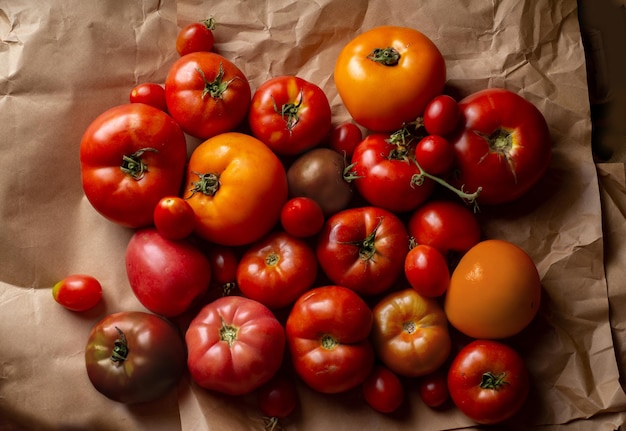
{"x":504,"y":146}
{"x":327,"y":334}
{"x":363,"y":249}
{"x":131,"y":156}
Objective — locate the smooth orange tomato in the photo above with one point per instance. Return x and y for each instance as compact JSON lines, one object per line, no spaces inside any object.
{"x":494,"y":291}
{"x":386,"y":76}
{"x":410,"y":333}
{"x":237,"y":187}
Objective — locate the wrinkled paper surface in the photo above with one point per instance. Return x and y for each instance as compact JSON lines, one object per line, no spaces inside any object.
{"x":62,"y":63}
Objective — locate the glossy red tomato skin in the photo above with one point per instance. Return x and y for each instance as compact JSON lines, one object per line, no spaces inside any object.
{"x":154,"y":140}
{"x":446,"y":225}
{"x":277,"y":269}
{"x":174,"y":218}
{"x":509,"y":167}
{"x":165,"y":275}
{"x":442,"y":116}
{"x":154,"y":363}
{"x":78,"y":292}
{"x":224,"y":261}
{"x":149,"y":93}
{"x":426,"y":270}
{"x":289,"y":114}
{"x":302,"y":217}
{"x":435,"y":155}
{"x":363,"y":248}
{"x":327,"y":335}
{"x":385,"y":181}
{"x":192,"y":101}
{"x":383,"y":390}
{"x":345,"y":137}
{"x":235,"y":345}
{"x":195,"y":36}
{"x":279,"y":397}
{"x":488,"y":405}
{"x":433,"y":388}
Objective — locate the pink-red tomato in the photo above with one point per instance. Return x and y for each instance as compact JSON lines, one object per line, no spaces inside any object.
{"x":165,"y":275}
{"x":383,"y":390}
{"x":196,"y":36}
{"x":426,"y":270}
{"x":174,"y":218}
{"x":78,"y":292}
{"x":433,"y":388}
{"x":442,"y":115}
{"x":435,"y":155}
{"x":149,"y":93}
{"x":235,"y":345}
{"x":277,"y":269}
{"x":289,"y":114}
{"x":302,"y":217}
{"x":344,"y":138}
{"x":488,"y":381}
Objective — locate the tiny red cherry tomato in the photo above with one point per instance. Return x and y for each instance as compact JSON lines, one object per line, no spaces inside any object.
{"x":224,"y":261}
{"x":442,"y":115}
{"x":383,"y":390}
{"x":434,"y":154}
{"x":427,"y":271}
{"x":196,"y":36}
{"x":78,"y":292}
{"x":433,"y":389}
{"x":174,"y":218}
{"x":345,"y":137}
{"x":302,"y":217}
{"x":279,"y":397}
{"x":149,"y":93}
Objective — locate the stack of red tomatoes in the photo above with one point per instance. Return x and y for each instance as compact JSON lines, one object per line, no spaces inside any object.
{"x":287,"y":245}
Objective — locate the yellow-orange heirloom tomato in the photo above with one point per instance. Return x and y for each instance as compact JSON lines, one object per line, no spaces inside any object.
{"x":410,"y":333}
{"x":387,"y":75}
{"x":236,"y":186}
{"x":494,"y":291}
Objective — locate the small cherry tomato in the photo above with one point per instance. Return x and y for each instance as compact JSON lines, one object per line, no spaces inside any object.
{"x":302,"y":217}
{"x":427,"y":271}
{"x":279,"y":397}
{"x":174,"y":218}
{"x":77,"y":292}
{"x":149,"y":93}
{"x":345,"y":137}
{"x":434,"y":154}
{"x":433,"y":388}
{"x":224,"y":261}
{"x":442,"y":115}
{"x":383,"y":390}
{"x":197,"y":36}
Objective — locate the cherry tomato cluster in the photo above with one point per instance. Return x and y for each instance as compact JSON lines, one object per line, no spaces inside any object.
{"x":287,"y":247}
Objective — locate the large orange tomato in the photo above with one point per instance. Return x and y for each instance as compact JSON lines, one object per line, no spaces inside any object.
{"x":236,"y":186}
{"x":494,"y":291}
{"x":410,"y":333}
{"x":387,"y":75}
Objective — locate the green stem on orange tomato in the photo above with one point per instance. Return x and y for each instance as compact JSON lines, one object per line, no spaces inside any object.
{"x":207,"y":184}
{"x":386,"y":56}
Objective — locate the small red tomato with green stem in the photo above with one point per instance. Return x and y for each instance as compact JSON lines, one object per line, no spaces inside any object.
{"x":196,"y":36}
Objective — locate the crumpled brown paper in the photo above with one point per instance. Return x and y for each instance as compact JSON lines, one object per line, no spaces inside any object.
{"x":64,"y":62}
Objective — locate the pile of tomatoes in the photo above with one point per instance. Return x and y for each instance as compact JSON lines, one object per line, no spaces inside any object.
{"x":285,"y":246}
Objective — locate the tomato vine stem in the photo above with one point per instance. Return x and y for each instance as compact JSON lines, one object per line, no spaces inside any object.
{"x":133,"y":165}
{"x":120,"y":348}
{"x":217,"y":87}
{"x":493,"y":381}
{"x":208,"y":184}
{"x":386,"y":56}
{"x":289,"y":112}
